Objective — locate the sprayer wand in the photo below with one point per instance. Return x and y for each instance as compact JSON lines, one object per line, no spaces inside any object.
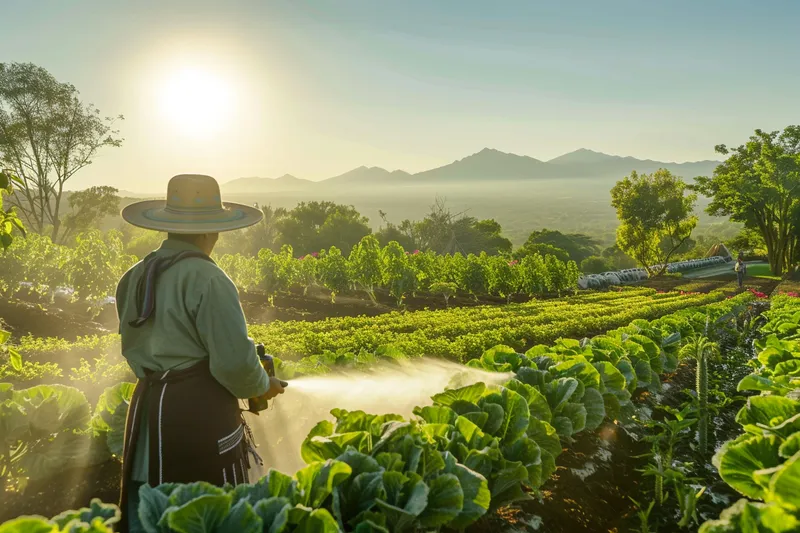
{"x":260,"y":403}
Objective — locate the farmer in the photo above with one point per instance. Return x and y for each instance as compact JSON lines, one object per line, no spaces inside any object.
{"x":741,"y":269}
{"x":185,"y":337}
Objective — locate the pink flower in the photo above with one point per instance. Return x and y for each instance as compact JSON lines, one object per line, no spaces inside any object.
{"x":416,"y":252}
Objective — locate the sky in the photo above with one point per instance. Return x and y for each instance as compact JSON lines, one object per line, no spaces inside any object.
{"x":316,"y":88}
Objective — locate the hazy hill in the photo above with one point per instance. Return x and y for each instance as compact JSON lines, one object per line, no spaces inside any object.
{"x":585,"y":163}
{"x":286,"y":182}
{"x":488,"y":165}
{"x":368,"y":175}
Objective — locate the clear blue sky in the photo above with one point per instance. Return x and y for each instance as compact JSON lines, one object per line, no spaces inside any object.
{"x":320,"y":87}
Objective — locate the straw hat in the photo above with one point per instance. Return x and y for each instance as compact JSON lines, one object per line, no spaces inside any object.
{"x":193,"y":205}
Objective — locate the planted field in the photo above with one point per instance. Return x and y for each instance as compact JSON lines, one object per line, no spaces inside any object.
{"x":475,"y":456}
{"x":463,"y":334}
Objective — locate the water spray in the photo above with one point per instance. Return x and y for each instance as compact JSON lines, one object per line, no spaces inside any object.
{"x":382,"y":389}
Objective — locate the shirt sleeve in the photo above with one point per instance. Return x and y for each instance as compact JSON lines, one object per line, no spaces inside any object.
{"x":223,"y":329}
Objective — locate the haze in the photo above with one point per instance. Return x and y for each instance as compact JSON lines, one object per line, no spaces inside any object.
{"x":317,"y":88}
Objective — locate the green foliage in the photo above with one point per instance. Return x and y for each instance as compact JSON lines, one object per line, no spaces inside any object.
{"x":48,"y":136}
{"x":397,"y":273}
{"x":701,"y":349}
{"x":596,"y":265}
{"x":40,"y":432}
{"x":763,"y":463}
{"x":365,"y":265}
{"x":96,"y":264}
{"x":89,"y":207}
{"x":312,"y":226}
{"x":655,"y":216}
{"x":576,"y":246}
{"x":110,"y":414}
{"x":333,"y":272}
{"x":244,"y":271}
{"x":464,"y":333}
{"x":758,"y":185}
{"x":9,"y":221}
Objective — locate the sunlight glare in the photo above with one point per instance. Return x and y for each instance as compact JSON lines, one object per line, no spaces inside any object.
{"x":197,"y":102}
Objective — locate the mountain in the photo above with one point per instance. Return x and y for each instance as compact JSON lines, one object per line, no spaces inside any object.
{"x":368,"y":175}
{"x":287,"y":182}
{"x":488,"y":164}
{"x":585,"y":163}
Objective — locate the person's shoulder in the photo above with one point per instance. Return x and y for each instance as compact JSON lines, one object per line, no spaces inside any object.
{"x":203,"y":268}
{"x":130,"y":271}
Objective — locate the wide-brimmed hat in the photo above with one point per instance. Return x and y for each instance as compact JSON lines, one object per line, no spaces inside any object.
{"x":193,"y":205}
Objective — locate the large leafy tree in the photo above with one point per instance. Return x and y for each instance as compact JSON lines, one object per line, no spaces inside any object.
{"x":577,"y":245}
{"x":88,"y":209}
{"x":655,"y":216}
{"x":313,"y":226}
{"x":47,"y":135}
{"x":759,"y":185}
{"x":445,"y":232}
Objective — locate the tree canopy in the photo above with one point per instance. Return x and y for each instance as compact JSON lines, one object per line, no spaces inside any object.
{"x":46,"y":136}
{"x":759,"y":185}
{"x":576,"y":245}
{"x":89,"y":207}
{"x":655,"y":215}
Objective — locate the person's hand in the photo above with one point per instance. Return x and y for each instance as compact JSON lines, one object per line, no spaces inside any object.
{"x":275,"y":387}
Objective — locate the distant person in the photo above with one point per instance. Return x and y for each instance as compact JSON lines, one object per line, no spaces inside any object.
{"x":185,"y":337}
{"x":741,"y":270}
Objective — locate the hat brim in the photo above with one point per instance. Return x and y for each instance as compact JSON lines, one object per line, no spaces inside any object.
{"x":153,"y":214}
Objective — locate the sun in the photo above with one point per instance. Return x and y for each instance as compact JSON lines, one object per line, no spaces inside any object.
{"x":197,"y":102}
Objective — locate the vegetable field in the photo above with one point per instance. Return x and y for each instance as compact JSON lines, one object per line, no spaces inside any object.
{"x":477,"y":457}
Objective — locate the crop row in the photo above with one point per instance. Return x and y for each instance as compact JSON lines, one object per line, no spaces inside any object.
{"x":763,"y":463}
{"x":471,"y":451}
{"x":92,"y":268}
{"x":465,"y":333}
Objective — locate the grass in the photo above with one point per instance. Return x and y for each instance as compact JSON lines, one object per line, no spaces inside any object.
{"x":760,"y":271}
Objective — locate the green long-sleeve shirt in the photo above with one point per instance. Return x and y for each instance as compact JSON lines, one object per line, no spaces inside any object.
{"x":198,"y":316}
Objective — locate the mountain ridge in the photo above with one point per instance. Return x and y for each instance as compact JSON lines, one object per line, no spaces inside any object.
{"x":488,"y":164}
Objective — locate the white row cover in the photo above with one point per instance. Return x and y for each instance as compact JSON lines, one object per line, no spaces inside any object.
{"x":634,"y":275}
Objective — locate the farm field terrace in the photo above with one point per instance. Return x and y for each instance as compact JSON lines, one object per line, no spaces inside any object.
{"x":575,"y":317}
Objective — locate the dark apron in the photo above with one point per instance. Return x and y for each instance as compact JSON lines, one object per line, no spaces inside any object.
{"x":197,"y":432}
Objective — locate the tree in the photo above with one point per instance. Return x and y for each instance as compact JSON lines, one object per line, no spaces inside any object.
{"x":759,"y":185}
{"x":655,"y":215}
{"x":276,"y":271}
{"x":503,"y":276}
{"x":618,"y":258}
{"x":332,"y":271}
{"x":446,"y":289}
{"x":445,"y":233}
{"x":542,"y":249}
{"x":365,"y":265}
{"x":748,"y":241}
{"x":398,"y":274}
{"x":9,"y":221}
{"x":313,"y":226}
{"x":596,"y":265}
{"x":534,"y":275}
{"x":46,"y":136}
{"x":577,"y":245}
{"x":88,"y":209}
